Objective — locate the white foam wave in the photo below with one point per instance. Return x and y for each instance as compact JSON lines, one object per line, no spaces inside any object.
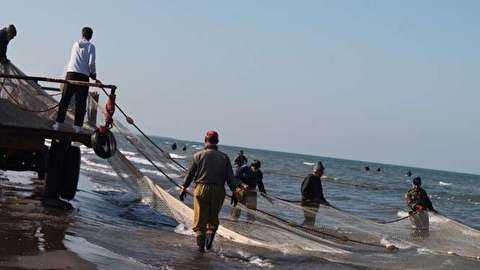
{"x":308,"y":163}
{"x":154,"y":172}
{"x":255,"y":260}
{"x":391,"y":243}
{"x":402,"y":214}
{"x":144,"y":161}
{"x":128,"y":153}
{"x":181,"y":229}
{"x":98,"y":170}
{"x":444,"y":183}
{"x":94,"y":164}
{"x":177,"y":156}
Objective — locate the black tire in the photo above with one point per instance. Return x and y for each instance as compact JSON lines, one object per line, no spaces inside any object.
{"x":56,"y":161}
{"x":70,"y":173}
{"x":104,"y":145}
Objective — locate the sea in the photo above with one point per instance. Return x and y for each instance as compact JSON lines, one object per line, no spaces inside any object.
{"x":111,"y":228}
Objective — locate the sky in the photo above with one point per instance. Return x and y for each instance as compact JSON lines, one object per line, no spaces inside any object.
{"x":385,"y":81}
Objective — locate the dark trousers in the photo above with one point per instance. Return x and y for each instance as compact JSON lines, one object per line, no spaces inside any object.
{"x":81,"y":94}
{"x":310,"y":213}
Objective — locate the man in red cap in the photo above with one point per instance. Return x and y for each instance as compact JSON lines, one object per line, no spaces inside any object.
{"x":210,"y":169}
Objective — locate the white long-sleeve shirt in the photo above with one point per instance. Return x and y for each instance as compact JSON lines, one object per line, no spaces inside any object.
{"x":82,"y":58}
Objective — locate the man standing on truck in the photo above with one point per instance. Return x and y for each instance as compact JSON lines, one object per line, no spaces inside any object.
{"x":210,"y":170}
{"x":81,"y":67}
{"x":6,"y":35}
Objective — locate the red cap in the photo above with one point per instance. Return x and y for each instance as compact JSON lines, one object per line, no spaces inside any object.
{"x":212,"y":134}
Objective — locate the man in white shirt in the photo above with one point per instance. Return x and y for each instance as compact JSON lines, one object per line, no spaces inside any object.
{"x":81,"y":67}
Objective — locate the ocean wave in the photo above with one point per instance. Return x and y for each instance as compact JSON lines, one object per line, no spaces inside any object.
{"x":144,"y":161}
{"x":94,"y":164}
{"x":181,"y":229}
{"x":128,"y":153}
{"x":444,"y":183}
{"x":255,"y":260}
{"x":98,"y":170}
{"x":177,"y":156}
{"x":308,"y":163}
{"x":402,"y":213}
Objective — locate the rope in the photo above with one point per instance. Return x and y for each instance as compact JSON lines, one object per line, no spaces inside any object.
{"x":12,"y":97}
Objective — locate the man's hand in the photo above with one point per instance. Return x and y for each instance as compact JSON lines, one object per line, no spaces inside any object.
{"x":235,"y":195}
{"x":183,"y":193}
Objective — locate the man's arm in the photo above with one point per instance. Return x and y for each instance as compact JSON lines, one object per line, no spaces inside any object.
{"x":192,"y":171}
{"x":428,"y":202}
{"x":305,"y":187}
{"x":91,"y":62}
{"x":260,"y":184}
{"x":321,"y":197}
{"x":3,"y":46}
{"x":232,"y":182}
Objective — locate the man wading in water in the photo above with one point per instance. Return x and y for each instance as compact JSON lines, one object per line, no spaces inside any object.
{"x":312,"y":194}
{"x":419,"y":202}
{"x":210,"y":170}
{"x":251,"y":177}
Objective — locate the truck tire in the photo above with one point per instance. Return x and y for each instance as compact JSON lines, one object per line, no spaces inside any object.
{"x":42,"y":163}
{"x":53,"y":183}
{"x":70,"y":173}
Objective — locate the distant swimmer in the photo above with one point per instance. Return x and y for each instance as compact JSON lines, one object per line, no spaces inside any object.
{"x":184,"y":148}
{"x":250,"y":177}
{"x":6,"y":35}
{"x":240,"y":160}
{"x":418,"y":201}
{"x":367,"y":168}
{"x":174,"y":146}
{"x":379,"y":170}
{"x":312,"y":194}
{"x":210,"y":170}
{"x":81,"y":67}
{"x":409,"y":174}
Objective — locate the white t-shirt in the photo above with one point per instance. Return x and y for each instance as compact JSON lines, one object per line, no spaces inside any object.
{"x":82,"y":58}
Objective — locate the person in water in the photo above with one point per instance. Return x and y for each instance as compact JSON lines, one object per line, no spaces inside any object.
{"x":367,"y":168}
{"x":184,"y":148}
{"x":81,"y":67}
{"x":174,"y":146}
{"x":417,"y":199}
{"x":6,"y":35}
{"x":250,"y":177}
{"x":312,"y":194}
{"x":210,"y":170}
{"x":240,"y":160}
{"x":409,"y":174}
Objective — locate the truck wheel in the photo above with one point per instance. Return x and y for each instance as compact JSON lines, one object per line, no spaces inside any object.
{"x":42,"y":162}
{"x":70,"y":173}
{"x":56,"y":161}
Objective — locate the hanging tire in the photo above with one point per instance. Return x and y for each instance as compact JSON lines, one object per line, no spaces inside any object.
{"x":104,"y":145}
{"x":56,"y":160}
{"x":70,"y":173}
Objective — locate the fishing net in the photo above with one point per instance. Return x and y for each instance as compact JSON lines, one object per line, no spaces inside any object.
{"x":336,"y":235}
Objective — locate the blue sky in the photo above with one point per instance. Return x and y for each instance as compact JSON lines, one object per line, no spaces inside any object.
{"x":385,"y":81}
